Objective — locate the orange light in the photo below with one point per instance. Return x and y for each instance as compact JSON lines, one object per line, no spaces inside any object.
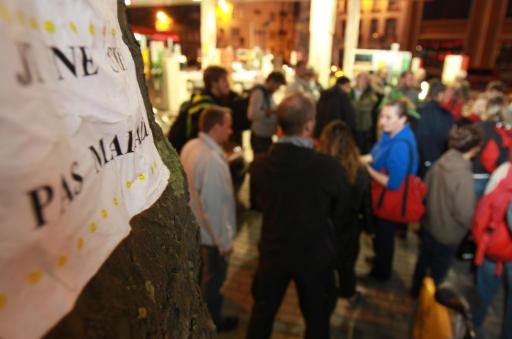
{"x":163,"y":21}
{"x":224,"y":11}
{"x":366,"y":5}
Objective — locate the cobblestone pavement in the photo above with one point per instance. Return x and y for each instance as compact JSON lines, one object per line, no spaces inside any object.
{"x":386,"y":310}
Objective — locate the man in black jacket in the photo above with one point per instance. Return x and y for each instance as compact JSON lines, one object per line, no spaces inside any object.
{"x":433,"y":127}
{"x":335,"y":103}
{"x":300,"y":192}
{"x":216,"y":92}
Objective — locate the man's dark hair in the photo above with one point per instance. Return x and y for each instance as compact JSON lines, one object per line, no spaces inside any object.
{"x":277,"y":77}
{"x":294,"y":112}
{"x":342,"y":81}
{"x":465,"y":138}
{"x":211,"y":116}
{"x":435,"y":88}
{"x":212,"y":74}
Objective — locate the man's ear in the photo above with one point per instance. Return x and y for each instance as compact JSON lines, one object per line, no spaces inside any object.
{"x":308,"y":128}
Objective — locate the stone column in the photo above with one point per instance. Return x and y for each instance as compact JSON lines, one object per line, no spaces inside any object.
{"x":351,"y":36}
{"x":208,"y":32}
{"x":321,"y":28}
{"x":413,"y":14}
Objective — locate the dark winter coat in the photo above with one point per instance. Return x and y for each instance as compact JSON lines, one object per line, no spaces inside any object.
{"x":431,"y":132}
{"x":333,"y":104}
{"x":300,"y":192}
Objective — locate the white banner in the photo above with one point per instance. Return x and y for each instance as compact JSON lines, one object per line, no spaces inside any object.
{"x":77,"y":155}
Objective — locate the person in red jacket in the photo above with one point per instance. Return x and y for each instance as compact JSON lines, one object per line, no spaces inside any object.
{"x":494,"y":150}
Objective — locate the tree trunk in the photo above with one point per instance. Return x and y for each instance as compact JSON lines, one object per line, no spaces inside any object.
{"x":148,"y":287}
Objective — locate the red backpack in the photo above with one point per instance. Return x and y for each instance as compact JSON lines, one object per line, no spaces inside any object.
{"x":490,"y":228}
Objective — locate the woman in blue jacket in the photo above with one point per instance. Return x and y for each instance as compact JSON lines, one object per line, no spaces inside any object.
{"x":391,"y":158}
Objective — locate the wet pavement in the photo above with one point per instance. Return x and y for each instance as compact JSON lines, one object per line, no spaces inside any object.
{"x":386,"y":310}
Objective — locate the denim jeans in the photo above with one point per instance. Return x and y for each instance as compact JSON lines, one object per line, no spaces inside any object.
{"x":479,"y":185}
{"x":487,"y":284}
{"x":212,"y":276}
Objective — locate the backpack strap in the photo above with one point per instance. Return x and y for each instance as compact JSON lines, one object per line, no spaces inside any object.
{"x":266,"y":93}
{"x":409,"y":171}
{"x":267,"y":96}
{"x":197,"y":104}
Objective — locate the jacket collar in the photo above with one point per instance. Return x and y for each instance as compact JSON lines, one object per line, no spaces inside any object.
{"x":297,"y":141}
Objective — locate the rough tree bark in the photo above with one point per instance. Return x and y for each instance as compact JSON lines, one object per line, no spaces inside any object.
{"x":148,"y":287}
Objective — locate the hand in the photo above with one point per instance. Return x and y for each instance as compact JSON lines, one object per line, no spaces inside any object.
{"x":223,"y":253}
{"x":366,"y":159}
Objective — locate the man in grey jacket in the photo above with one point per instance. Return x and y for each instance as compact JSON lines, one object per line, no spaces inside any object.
{"x":261,"y":112}
{"x":450,"y":206}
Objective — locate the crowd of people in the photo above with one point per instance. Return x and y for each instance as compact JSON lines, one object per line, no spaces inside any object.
{"x":313,"y":185}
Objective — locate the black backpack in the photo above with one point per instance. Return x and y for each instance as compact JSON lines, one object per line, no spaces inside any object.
{"x":178,"y":132}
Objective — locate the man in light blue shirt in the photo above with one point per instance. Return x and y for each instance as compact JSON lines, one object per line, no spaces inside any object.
{"x":212,"y":202}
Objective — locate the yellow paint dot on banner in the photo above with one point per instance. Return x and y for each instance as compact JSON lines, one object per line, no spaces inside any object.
{"x":104,"y":213}
{"x":49,"y":26}
{"x":142,"y":177}
{"x":3,"y":300}
{"x":72,"y":27}
{"x":4,"y":13}
{"x":62,"y":260}
{"x":128,"y":184}
{"x":80,"y":243}
{"x":92,"y":227}
{"x":33,"y":23}
{"x":155,"y":164}
{"x":92,"y":30}
{"x":113,"y":32}
{"x":104,"y":31}
{"x":35,"y":277}
{"x":115,"y":202}
{"x":21,"y":17}
{"x":152,"y":170}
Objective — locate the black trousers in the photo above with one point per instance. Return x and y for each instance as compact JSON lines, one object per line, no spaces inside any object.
{"x":317,"y":298}
{"x":346,"y":262}
{"x":384,"y":247}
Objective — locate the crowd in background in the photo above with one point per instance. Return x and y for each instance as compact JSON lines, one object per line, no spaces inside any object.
{"x":314,"y":185}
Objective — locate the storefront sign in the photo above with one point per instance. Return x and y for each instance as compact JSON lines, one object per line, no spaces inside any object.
{"x":77,"y":155}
